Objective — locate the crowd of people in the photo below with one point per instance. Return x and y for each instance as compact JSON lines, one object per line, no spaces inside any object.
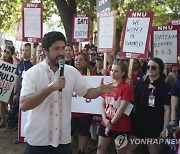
{"x":52,"y":127}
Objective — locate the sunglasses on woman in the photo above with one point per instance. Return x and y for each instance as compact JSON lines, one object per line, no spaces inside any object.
{"x":93,"y":54}
{"x":7,"y":52}
{"x":152,"y":67}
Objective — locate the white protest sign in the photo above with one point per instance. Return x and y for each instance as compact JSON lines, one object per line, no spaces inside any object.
{"x":81,"y":28}
{"x":106,"y":31}
{"x":165,"y":45}
{"x":7,"y":80}
{"x":136,"y":28}
{"x":106,"y":25}
{"x":136,"y":34}
{"x":83,"y":105}
{"x":32,"y":15}
{"x":81,"y":24}
{"x":32,"y":22}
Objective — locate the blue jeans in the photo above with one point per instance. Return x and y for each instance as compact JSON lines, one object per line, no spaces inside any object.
{"x":61,"y":149}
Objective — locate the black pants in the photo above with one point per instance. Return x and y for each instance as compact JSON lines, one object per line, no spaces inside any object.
{"x":61,"y":149}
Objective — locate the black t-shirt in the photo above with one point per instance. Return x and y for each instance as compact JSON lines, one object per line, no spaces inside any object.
{"x":175,"y":91}
{"x":70,"y":62}
{"x":148,"y":115}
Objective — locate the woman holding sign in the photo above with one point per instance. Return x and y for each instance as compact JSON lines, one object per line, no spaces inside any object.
{"x":7,"y":57}
{"x":152,"y":109}
{"x":116,"y":123}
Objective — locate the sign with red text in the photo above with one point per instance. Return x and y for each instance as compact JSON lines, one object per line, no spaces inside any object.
{"x":7,"y":80}
{"x":32,"y":24}
{"x":164,"y":43}
{"x":136,"y":35}
{"x":106,"y":31}
{"x":81,"y":25}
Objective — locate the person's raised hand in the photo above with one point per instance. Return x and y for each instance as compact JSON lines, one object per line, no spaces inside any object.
{"x":106,"y":88}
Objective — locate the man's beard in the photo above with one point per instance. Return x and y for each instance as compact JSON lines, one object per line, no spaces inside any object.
{"x":53,"y":61}
{"x":26,"y":56}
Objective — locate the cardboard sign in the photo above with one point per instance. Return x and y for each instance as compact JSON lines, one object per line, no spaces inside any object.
{"x":32,"y":22}
{"x":81,"y":24}
{"x":106,"y":31}
{"x":7,"y":80}
{"x":136,"y":35}
{"x":164,"y":43}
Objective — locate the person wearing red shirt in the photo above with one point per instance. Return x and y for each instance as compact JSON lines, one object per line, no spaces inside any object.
{"x":82,"y":121}
{"x":115,"y":123}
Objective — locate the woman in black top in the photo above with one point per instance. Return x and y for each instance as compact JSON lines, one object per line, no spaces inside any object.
{"x":152,"y":107}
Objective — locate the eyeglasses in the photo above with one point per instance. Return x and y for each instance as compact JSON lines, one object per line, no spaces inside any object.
{"x":120,"y":60}
{"x":7,"y":52}
{"x":152,"y":67}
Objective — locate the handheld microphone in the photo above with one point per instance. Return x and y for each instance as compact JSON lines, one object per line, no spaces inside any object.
{"x":61,"y":67}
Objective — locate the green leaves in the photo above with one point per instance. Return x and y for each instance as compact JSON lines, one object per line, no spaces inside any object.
{"x":165,"y":10}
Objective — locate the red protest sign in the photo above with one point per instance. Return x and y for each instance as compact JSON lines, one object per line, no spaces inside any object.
{"x":136,"y":35}
{"x":165,"y":43}
{"x":174,"y":22}
{"x":106,"y":31}
{"x":81,"y":26}
{"x":32,"y":24}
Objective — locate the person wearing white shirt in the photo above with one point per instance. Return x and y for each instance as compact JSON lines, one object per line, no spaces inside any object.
{"x":48,"y":127}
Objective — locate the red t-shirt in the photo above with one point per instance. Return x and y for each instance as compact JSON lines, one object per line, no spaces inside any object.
{"x":112,"y":102}
{"x":134,"y":78}
{"x":8,"y":61}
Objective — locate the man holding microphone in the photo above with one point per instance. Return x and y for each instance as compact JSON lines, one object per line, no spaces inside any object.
{"x":49,"y":119}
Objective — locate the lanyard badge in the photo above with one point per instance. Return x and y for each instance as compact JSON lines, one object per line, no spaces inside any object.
{"x":151,"y":101}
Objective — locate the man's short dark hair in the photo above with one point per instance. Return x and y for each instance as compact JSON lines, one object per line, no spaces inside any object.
{"x":27,"y":45}
{"x":51,"y":38}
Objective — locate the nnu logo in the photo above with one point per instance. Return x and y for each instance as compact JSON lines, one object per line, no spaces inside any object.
{"x":121,"y":141}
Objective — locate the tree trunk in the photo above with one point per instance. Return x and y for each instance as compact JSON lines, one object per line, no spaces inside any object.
{"x":118,"y":38}
{"x":66,"y":11}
